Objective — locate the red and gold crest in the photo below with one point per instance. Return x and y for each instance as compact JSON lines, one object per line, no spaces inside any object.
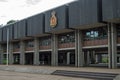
{"x":53,"y":19}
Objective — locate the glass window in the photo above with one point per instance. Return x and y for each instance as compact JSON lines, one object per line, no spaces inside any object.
{"x":4,"y":47}
{"x":16,"y":45}
{"x":118,"y":31}
{"x":30,"y":44}
{"x":45,"y":41}
{"x":96,"y":33}
{"x":66,"y":38}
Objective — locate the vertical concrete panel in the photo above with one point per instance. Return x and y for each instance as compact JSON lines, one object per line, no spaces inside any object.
{"x":110,"y":9}
{"x":1,"y":34}
{"x":38,"y":24}
{"x":83,"y":12}
{"x":5,"y":33}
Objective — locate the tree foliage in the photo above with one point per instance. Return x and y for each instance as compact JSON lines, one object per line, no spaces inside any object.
{"x":11,"y":21}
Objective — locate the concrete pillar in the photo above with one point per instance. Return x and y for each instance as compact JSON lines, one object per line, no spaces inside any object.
{"x":36,"y":49}
{"x":79,"y":52}
{"x":93,"y":55}
{"x":68,"y":58}
{"x":22,"y":52}
{"x":83,"y":58}
{"x":114,"y":45}
{"x":10,"y":53}
{"x":54,"y":46}
{"x":88,"y":57}
{"x":96,"y":58}
{"x":76,"y":48}
{"x":109,"y":47}
{"x":1,"y":54}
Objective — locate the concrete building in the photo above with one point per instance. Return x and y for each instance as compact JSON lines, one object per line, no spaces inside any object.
{"x":81,"y":33}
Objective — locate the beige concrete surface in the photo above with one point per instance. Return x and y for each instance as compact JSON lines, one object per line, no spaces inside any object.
{"x":6,"y":75}
{"x":87,"y":69}
{"x":10,"y":75}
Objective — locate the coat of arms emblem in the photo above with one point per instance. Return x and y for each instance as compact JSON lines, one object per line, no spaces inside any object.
{"x":53,"y":19}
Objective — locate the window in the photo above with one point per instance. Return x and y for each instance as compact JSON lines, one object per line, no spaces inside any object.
{"x":4,"y":47}
{"x":118,"y":31}
{"x":29,"y":44}
{"x":66,"y":38}
{"x":96,"y":33}
{"x":45,"y":41}
{"x":16,"y":45}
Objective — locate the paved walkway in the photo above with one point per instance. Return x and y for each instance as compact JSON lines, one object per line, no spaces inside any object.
{"x":43,"y":72}
{"x":51,"y":68}
{"x":6,"y":75}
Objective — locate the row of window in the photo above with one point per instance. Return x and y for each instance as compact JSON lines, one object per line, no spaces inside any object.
{"x":91,"y":34}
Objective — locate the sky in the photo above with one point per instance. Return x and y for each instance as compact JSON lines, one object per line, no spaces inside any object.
{"x":20,"y":9}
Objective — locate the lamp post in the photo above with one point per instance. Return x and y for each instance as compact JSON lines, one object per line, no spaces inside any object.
{"x":7,"y":56}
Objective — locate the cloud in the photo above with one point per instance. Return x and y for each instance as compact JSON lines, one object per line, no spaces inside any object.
{"x":3,"y":0}
{"x":32,"y":2}
{"x":3,"y":16}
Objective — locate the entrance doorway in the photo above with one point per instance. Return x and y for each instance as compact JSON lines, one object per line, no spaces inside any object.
{"x":29,"y":58}
{"x":16,"y":58}
{"x":45,"y":58}
{"x":95,"y":58}
{"x":4,"y":59}
{"x":66,"y":58}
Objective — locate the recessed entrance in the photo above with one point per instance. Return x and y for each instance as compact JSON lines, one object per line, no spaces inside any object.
{"x":29,"y":58}
{"x":66,"y":58}
{"x":45,"y":58}
{"x":96,"y":58}
{"x":16,"y":58}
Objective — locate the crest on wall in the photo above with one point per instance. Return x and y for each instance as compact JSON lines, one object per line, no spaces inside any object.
{"x":53,"y":19}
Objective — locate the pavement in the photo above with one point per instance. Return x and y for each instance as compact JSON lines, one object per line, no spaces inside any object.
{"x":28,"y":72}
{"x":7,"y":75}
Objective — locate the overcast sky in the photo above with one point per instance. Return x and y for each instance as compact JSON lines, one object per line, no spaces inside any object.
{"x":19,"y":9}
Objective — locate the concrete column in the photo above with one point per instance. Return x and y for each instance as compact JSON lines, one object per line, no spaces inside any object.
{"x":96,"y":58}
{"x":10,"y":53}
{"x":114,"y":45}
{"x":83,"y":58}
{"x":1,"y":54}
{"x":80,"y":52}
{"x":93,"y":55}
{"x":88,"y":57}
{"x":76,"y":48}
{"x":109,"y":47}
{"x":22,"y":52}
{"x":54,"y":50}
{"x":68,"y":58}
{"x":36,"y":49}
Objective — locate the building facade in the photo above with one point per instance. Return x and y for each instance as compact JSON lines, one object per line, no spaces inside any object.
{"x":81,"y":33}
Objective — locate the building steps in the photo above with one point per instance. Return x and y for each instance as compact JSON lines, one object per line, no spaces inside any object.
{"x":81,"y":74}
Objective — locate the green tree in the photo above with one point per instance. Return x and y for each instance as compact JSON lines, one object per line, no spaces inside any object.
{"x":11,"y":21}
